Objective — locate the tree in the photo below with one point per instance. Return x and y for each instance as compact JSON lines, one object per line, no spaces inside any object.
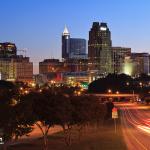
{"x":39,"y":109}
{"x":11,"y":125}
{"x":86,"y":110}
{"x":63,"y":115}
{"x":114,"y":82}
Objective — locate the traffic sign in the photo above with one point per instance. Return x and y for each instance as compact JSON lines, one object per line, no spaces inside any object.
{"x":114,"y":113}
{"x":115,"y":116}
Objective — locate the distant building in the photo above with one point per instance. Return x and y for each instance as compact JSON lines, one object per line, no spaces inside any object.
{"x":50,"y":65}
{"x":17,"y":68}
{"x":77,"y":48}
{"x":73,"y":47}
{"x":69,"y":65}
{"x":65,"y":44}
{"x":8,"y":49}
{"x":129,"y":67}
{"x":14,"y":67}
{"x":76,"y":77}
{"x":99,"y":48}
{"x":53,"y":70}
{"x":76,"y":65}
{"x":120,"y":55}
{"x":142,"y":63}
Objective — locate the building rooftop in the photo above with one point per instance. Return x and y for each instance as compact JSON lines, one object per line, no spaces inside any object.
{"x":66,"y":32}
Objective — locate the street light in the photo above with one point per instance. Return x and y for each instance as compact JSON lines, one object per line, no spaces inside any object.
{"x":21,"y":88}
{"x":109,"y":91}
{"x":79,"y":93}
{"x":140,"y":84}
{"x":117,"y":92}
{"x":26,"y":91}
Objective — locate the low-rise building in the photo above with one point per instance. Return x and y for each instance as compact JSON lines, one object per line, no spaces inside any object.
{"x":50,"y":65}
{"x":120,"y":55}
{"x":141,"y":61}
{"x":17,"y":68}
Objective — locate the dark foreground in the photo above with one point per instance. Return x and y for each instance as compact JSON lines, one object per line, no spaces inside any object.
{"x":102,"y":138}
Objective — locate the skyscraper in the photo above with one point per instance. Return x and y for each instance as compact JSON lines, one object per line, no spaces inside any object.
{"x":77,"y":48}
{"x":73,"y":47}
{"x":65,"y":43}
{"x":99,"y":48}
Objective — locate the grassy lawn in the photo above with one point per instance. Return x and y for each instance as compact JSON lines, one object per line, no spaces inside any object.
{"x":102,"y":138}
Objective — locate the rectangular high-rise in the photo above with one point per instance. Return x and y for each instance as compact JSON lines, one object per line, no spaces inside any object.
{"x":77,"y":48}
{"x":99,"y":49}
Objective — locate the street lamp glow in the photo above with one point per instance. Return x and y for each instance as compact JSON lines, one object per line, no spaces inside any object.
{"x":26,"y":91}
{"x":140,"y":84}
{"x":117,"y":92}
{"x":109,"y":91}
{"x":33,"y":84}
{"x":21,"y":88}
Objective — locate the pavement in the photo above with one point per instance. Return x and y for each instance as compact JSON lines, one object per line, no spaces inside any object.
{"x":36,"y":133}
{"x":135,"y":121}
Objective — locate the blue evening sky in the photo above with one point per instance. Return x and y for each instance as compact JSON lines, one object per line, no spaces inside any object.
{"x":37,"y":25}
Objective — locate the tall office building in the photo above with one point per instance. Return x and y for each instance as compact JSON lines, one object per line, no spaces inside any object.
{"x":99,"y":48}
{"x":73,"y":48}
{"x":77,"y":48}
{"x":65,"y":43}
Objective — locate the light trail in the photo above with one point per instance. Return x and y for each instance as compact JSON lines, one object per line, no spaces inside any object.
{"x":135,"y":126}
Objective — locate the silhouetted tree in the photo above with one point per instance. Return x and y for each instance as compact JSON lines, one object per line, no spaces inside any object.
{"x":10,"y":123}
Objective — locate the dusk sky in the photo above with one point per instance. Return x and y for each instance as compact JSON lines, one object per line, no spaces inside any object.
{"x":37,"y":25}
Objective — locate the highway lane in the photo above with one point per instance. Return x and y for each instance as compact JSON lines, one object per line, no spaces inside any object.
{"x":135,"y":121}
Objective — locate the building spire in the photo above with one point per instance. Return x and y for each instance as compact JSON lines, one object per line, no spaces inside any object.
{"x":66,"y":32}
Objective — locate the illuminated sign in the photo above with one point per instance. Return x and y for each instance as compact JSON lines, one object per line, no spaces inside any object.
{"x":84,"y":85}
{"x":103,"y":28}
{"x":10,"y":45}
{"x":114,"y":113}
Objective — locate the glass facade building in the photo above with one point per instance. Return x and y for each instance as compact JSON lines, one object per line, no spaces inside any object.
{"x":73,"y":47}
{"x":77,"y":48}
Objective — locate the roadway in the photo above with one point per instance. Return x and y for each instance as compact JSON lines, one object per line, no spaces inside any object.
{"x":135,"y":121}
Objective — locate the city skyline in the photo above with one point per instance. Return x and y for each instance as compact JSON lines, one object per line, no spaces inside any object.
{"x":38,"y":25}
